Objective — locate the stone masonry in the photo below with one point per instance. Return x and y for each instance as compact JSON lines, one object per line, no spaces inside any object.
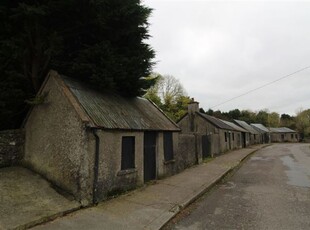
{"x":11,"y":147}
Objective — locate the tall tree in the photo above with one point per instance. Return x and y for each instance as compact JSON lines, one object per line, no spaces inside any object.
{"x":303,"y":122}
{"x":262,"y":117}
{"x":274,"y":119}
{"x":101,"y":42}
{"x":169,"y":95}
{"x":234,"y":114}
{"x":248,"y":116}
{"x":287,"y":121}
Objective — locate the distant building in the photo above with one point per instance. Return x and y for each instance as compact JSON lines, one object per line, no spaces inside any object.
{"x":242,"y":143}
{"x":213,"y":136}
{"x":253,"y":135}
{"x":283,"y":134}
{"x":93,"y":145}
{"x":264,"y":132}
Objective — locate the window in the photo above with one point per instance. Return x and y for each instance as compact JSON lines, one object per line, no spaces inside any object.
{"x":225,"y":136}
{"x":128,"y":153}
{"x":233,"y":136}
{"x":292,"y":136}
{"x":168,"y":146}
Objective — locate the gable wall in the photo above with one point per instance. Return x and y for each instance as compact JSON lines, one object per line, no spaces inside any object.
{"x":56,"y":144}
{"x":215,"y":135}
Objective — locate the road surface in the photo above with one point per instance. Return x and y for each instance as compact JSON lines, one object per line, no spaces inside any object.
{"x":271,"y":190}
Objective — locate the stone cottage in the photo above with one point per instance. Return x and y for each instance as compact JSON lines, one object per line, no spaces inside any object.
{"x":253,"y":136}
{"x":241,"y":134}
{"x":213,"y":136}
{"x":93,"y":145}
{"x":283,"y":134}
{"x":264,"y":132}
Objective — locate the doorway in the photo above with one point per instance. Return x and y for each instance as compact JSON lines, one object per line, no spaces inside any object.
{"x":149,"y":156}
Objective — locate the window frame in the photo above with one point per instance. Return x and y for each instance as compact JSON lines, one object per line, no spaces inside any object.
{"x":128,"y":156}
{"x":168,"y":146}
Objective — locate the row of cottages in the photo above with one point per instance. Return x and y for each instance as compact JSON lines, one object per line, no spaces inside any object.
{"x":253,"y":136}
{"x":264,"y":133}
{"x":214,"y":136}
{"x":94,"y":145}
{"x":274,"y":135}
{"x":283,"y":134}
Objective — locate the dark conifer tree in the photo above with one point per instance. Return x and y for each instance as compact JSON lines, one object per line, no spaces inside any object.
{"x":101,"y":42}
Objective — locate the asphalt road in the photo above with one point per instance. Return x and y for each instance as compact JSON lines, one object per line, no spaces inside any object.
{"x":271,"y":190}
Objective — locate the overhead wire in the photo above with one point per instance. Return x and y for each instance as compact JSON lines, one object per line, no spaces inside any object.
{"x":262,"y":86}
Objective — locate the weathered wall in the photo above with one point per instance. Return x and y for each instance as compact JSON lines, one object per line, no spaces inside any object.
{"x":11,"y":147}
{"x":56,"y":144}
{"x":167,"y":168}
{"x":247,"y":139}
{"x":287,"y":137}
{"x":215,"y":135}
{"x":111,"y":179}
{"x":236,"y":140}
{"x":186,"y":155}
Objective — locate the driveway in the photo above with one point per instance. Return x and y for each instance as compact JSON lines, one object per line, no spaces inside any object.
{"x":26,"y":199}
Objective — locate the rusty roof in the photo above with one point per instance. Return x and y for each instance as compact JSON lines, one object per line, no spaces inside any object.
{"x":246,"y":126}
{"x":111,"y":111}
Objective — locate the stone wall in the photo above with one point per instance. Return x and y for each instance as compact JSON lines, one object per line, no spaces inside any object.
{"x":57,"y":145}
{"x":186,"y":153}
{"x":11,"y":147}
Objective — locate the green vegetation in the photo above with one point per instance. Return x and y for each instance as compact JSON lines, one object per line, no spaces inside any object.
{"x":303,"y":123}
{"x":169,"y":95}
{"x":300,"y":122}
{"x":101,"y":42}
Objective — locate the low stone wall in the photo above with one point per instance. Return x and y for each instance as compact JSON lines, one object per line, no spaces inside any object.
{"x":11,"y":147}
{"x":186,"y":153}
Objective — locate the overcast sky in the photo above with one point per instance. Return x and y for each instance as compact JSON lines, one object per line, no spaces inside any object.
{"x":222,"y":49}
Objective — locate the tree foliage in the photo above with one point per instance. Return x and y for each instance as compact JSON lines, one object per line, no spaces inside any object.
{"x":263,"y":116}
{"x":169,"y":95}
{"x":303,"y":122}
{"x":300,"y":123}
{"x":287,"y":121}
{"x":101,"y":42}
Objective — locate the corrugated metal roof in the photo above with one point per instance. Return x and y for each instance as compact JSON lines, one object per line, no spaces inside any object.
{"x":282,"y":130}
{"x":112,"y":111}
{"x":260,"y":128}
{"x":246,"y":126}
{"x":215,"y":121}
{"x":235,"y":127}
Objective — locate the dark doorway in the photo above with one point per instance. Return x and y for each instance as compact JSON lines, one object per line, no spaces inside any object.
{"x":149,"y":156}
{"x":243,"y":140}
{"x":206,"y":146}
{"x":229,"y":140}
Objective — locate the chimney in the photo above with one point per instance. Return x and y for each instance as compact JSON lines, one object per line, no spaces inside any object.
{"x":193,"y":107}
